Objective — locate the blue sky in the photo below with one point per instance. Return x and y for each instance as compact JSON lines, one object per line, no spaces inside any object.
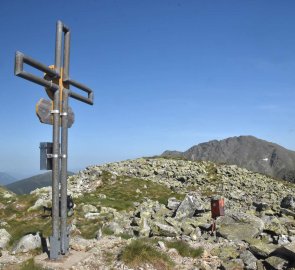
{"x":166,"y":75}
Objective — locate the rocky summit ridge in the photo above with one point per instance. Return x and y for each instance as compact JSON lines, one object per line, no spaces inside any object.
{"x":160,"y":201}
{"x":247,"y":152}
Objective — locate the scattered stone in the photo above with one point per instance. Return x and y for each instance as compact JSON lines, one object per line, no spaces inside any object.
{"x":102,"y":196}
{"x":80,"y":244}
{"x":88,"y":208}
{"x":236,"y":264}
{"x":276,"y":262}
{"x":288,"y":202}
{"x":287,"y":251}
{"x":98,"y":234}
{"x":39,"y":204}
{"x":7,"y":195}
{"x":27,"y":243}
{"x":188,"y":207}
{"x":249,"y":260}
{"x":160,"y":229}
{"x":162,"y":245}
{"x":239,"y":226}
{"x":173,"y":203}
{"x":92,"y":215}
{"x":261,"y":249}
{"x":225,"y":253}
{"x":4,"y":238}
{"x":115,"y":228}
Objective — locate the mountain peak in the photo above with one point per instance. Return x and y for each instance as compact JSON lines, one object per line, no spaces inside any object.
{"x":245,"y":151}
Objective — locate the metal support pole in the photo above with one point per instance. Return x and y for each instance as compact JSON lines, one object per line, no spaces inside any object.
{"x":55,"y":238}
{"x":58,"y":45}
{"x":55,"y":248}
{"x":64,"y":149}
{"x":63,"y":182}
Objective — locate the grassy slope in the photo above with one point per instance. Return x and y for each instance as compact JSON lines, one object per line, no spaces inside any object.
{"x":26,"y":185}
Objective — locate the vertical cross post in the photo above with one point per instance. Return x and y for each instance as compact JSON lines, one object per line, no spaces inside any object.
{"x":57,"y":84}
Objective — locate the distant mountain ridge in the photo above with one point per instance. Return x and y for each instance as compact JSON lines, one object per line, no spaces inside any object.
{"x":245,"y":151}
{"x":6,"y":179}
{"x":26,"y":185}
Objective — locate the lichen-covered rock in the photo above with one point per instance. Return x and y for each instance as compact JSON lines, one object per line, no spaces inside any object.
{"x":225,"y":252}
{"x":188,"y":207}
{"x":115,"y":228}
{"x":4,"y":238}
{"x":261,"y":249}
{"x":27,"y":243}
{"x":39,"y":204}
{"x":159,"y":229}
{"x":287,"y":251}
{"x":276,"y":262}
{"x":288,"y":202}
{"x":88,"y":208}
{"x":173,"y":203}
{"x":249,"y":260}
{"x":240,"y":226}
{"x":236,"y":264}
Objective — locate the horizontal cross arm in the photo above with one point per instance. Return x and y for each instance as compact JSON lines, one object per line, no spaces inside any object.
{"x":20,"y":59}
{"x":88,"y":100}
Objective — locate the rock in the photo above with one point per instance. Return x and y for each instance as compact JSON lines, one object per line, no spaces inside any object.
{"x":288,"y":212}
{"x":92,"y":215}
{"x":144,"y":228}
{"x":102,"y":196}
{"x":288,"y":202}
{"x":80,"y":244}
{"x":173,"y":203}
{"x":273,"y":225}
{"x":287,"y":251}
{"x":261,"y":249}
{"x":249,"y":260}
{"x":162,"y":245}
{"x":261,"y":206}
{"x":160,"y":229}
{"x":196,"y":234}
{"x":39,"y":204}
{"x":88,"y":208}
{"x":98,"y":234}
{"x":225,"y":253}
{"x":27,"y":243}
{"x":283,"y":240}
{"x":115,"y":228}
{"x":4,"y":238}
{"x":236,"y":264}
{"x":239,"y":226}
{"x":7,"y":195}
{"x":260,"y":265}
{"x":188,"y":207}
{"x":276,"y":262}
{"x":186,"y":228}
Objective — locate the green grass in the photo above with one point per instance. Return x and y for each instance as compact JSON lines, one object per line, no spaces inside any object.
{"x":20,"y":221}
{"x":121,"y":193}
{"x":29,"y":265}
{"x":88,"y":228}
{"x":184,"y":249}
{"x":139,"y":252}
{"x":212,"y":172}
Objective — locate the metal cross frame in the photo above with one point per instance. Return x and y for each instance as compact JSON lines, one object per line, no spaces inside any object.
{"x":57,"y":84}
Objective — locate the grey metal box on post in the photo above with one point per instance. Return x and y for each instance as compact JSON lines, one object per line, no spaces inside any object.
{"x":46,"y":150}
